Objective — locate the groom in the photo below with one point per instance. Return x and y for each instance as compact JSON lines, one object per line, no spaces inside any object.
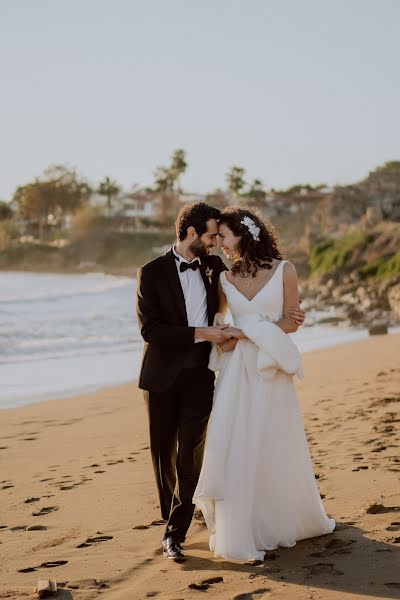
{"x":177,"y":299}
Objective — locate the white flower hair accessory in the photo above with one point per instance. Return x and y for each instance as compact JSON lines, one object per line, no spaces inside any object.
{"x":252,"y":227}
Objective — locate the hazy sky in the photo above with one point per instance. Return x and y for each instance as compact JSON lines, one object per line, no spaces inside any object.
{"x":293,"y":90}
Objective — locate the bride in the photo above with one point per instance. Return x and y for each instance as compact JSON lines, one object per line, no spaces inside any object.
{"x":257,"y":489}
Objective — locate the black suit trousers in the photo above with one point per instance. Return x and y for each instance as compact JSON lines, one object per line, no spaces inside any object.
{"x":178,"y":420}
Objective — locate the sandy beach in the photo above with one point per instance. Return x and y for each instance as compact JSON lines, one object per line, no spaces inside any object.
{"x":78,"y":470}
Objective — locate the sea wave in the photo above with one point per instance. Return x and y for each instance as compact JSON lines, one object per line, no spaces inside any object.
{"x":19,"y":287}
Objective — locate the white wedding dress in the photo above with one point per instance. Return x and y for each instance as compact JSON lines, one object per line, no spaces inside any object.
{"x":257,"y":489}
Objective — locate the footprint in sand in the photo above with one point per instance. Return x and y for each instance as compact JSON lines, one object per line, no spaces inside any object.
{"x":323,"y":569}
{"x":30,"y":500}
{"x":205,"y":584}
{"x":7,"y":486}
{"x":156,"y":523}
{"x":338,"y":546}
{"x":18,"y":528}
{"x":251,"y":595}
{"x":379,"y":449}
{"x":380,"y":509}
{"x":44,"y":511}
{"x":86,"y":584}
{"x":95,"y":540}
{"x":395,"y":526}
{"x":45,"y":565}
{"x":115,"y":462}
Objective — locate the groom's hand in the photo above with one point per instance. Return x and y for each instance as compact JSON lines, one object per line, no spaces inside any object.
{"x":214,"y":334}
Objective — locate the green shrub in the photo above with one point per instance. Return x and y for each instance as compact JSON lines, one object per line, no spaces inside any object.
{"x":332,"y":254}
{"x":382,"y":268}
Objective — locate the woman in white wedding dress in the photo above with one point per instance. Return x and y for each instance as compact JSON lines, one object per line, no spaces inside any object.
{"x":257,"y":489}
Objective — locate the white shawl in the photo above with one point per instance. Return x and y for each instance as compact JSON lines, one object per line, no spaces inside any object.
{"x":276,"y":351}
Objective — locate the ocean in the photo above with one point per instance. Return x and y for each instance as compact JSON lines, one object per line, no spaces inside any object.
{"x":63,"y":335}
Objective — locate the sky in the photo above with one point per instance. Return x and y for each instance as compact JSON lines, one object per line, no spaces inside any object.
{"x":294,"y":91}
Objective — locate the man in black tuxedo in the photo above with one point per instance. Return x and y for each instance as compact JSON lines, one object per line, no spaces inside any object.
{"x":177,"y":300}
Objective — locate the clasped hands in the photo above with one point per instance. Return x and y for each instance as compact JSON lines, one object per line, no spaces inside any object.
{"x":227,"y":336}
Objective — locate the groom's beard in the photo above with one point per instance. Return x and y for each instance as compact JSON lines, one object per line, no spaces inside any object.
{"x":199,"y":248}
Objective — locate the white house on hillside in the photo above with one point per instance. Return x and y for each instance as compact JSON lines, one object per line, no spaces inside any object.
{"x":136,"y":205}
{"x":126,"y":205}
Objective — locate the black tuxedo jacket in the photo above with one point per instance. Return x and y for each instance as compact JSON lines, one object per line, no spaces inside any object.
{"x":162,"y":318}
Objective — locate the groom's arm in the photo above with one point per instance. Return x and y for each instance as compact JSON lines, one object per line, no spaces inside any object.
{"x":151,"y":327}
{"x":154,"y":331}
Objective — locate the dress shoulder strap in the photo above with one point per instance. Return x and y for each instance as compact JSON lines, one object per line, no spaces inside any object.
{"x":223,"y":279}
{"x":281,"y":265}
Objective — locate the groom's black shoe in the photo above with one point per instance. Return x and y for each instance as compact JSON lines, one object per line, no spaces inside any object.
{"x":173,"y":550}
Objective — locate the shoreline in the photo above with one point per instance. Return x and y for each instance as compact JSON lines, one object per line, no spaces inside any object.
{"x":355,"y":336}
{"x":80,"y":469}
{"x":310,"y":355}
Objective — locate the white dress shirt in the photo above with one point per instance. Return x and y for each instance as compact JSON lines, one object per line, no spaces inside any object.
{"x":194,"y":293}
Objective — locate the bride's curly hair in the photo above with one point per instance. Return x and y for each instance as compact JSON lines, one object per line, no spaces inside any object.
{"x":253,"y":254}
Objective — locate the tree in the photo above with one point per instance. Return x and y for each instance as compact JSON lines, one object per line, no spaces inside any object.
{"x":109,"y":189}
{"x":256,"y":194}
{"x":67,"y":188}
{"x":235,"y":180}
{"x":59,"y":192}
{"x":162,"y":180}
{"x":166,"y":181}
{"x":178,"y":167}
{"x":6,"y":212}
{"x":391,"y":164}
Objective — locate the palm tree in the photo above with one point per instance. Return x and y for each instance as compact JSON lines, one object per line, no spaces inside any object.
{"x":163,"y":182}
{"x":109,"y":189}
{"x":235,"y":180}
{"x":178,"y":167}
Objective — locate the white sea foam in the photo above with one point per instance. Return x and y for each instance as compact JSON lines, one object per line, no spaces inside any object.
{"x":20,"y":287}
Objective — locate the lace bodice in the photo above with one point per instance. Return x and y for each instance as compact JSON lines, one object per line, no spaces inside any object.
{"x":268,"y":302}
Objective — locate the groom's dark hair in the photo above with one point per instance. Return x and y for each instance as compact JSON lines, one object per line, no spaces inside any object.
{"x":195,"y":215}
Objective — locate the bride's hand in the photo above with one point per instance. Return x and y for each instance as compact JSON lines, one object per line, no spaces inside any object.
{"x":228,"y":345}
{"x":297,"y":314}
{"x":235,"y":332}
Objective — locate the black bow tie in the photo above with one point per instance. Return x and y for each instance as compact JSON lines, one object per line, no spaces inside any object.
{"x":192,"y":265}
